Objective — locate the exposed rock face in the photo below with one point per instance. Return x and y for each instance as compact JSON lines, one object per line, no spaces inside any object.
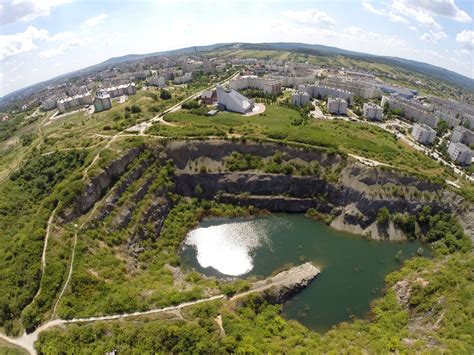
{"x":183,"y":151}
{"x":99,"y":184}
{"x":354,"y":200}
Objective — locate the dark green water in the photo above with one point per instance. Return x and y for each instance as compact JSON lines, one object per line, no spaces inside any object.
{"x":353,"y":268}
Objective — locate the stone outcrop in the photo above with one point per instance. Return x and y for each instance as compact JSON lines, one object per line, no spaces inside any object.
{"x":99,"y":184}
{"x":278,"y":288}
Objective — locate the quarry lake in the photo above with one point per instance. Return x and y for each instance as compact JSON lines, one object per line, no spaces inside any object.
{"x":353,"y":269}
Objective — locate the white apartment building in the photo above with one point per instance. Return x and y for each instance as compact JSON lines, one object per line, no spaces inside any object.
{"x":292,"y":81}
{"x":463,"y":135}
{"x":423,"y":133}
{"x":186,"y":78}
{"x":156,"y":80}
{"x":372,"y":111}
{"x":49,"y":104}
{"x":365,"y":89}
{"x":69,"y":103}
{"x":337,"y":105}
{"x":412,"y":109}
{"x":460,"y":153}
{"x":268,"y":86}
{"x":102,"y":101}
{"x":300,"y":98}
{"x":125,"y":89}
{"x":321,"y":91}
{"x":231,"y":100}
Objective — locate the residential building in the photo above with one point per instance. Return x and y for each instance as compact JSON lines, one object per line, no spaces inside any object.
{"x":268,"y":86}
{"x":49,"y":104}
{"x":120,"y":90}
{"x":156,"y":80}
{"x":337,"y":105}
{"x":102,"y":101}
{"x":322,"y":91}
{"x":186,"y":78}
{"x":300,"y":98}
{"x":412,"y":109}
{"x":423,"y":133}
{"x":69,"y":103}
{"x":463,"y":135}
{"x":364,"y":88}
{"x":372,"y":111}
{"x":460,"y":153}
{"x":231,"y":100}
{"x":292,"y":81}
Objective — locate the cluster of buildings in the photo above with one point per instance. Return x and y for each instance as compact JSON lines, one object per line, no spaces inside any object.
{"x":102,"y":100}
{"x":412,"y":109}
{"x":268,"y":86}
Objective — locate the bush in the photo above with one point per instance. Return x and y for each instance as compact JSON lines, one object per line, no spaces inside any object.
{"x":165,"y":94}
{"x":136,"y":109}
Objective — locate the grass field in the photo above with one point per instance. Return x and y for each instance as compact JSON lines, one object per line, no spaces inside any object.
{"x":280,"y":123}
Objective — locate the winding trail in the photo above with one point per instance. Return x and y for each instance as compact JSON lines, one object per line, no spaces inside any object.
{"x":43,"y":255}
{"x":299,"y":275}
{"x":27,"y":341}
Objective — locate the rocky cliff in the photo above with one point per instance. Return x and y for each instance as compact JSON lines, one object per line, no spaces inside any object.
{"x":354,"y":200}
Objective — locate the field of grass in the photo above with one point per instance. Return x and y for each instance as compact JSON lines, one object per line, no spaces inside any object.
{"x":280,"y":123}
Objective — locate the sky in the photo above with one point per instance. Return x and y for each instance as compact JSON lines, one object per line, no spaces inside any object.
{"x":40,"y":39}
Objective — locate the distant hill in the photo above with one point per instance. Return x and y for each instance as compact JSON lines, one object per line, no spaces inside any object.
{"x":411,"y":65}
{"x":316,"y":49}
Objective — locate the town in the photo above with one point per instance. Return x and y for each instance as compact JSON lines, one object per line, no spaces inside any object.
{"x":439,"y":127}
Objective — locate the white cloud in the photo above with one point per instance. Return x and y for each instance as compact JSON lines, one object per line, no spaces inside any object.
{"x":397,"y":18}
{"x":26,"y":10}
{"x":311,"y":17}
{"x":433,"y":36}
{"x":466,"y":39}
{"x":59,"y":36}
{"x":393,"y":17}
{"x":444,"y":8}
{"x":50,"y":53}
{"x":406,"y":9}
{"x":11,"y":45}
{"x":94,"y":21}
{"x":369,"y":7}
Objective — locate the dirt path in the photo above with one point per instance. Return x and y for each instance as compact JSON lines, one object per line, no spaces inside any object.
{"x":300,"y":274}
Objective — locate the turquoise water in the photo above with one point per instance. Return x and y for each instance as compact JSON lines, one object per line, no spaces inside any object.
{"x":353,"y":269}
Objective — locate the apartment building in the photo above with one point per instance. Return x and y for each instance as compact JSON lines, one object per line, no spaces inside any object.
{"x":300,"y":98}
{"x":268,"y":86}
{"x":412,"y":109}
{"x":337,"y":105}
{"x":423,"y":133}
{"x":463,"y":135}
{"x":460,"y":153}
{"x":322,"y":91}
{"x":372,"y":111}
{"x":102,"y":101}
{"x":69,"y":103}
